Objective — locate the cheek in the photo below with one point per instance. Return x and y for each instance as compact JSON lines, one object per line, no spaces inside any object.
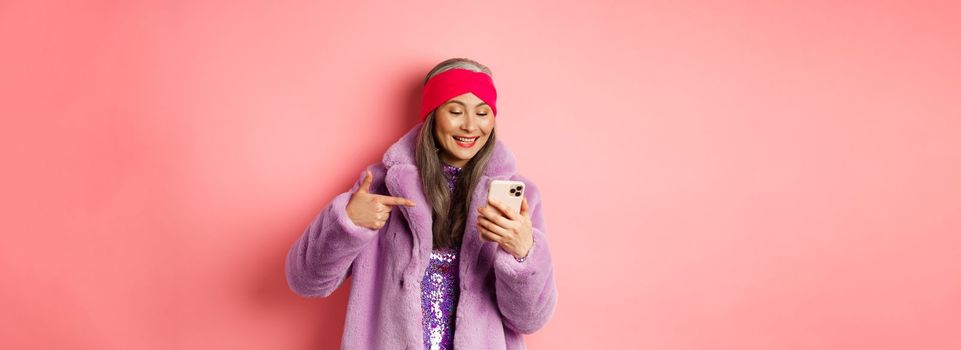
{"x":440,"y":127}
{"x":444,"y":123}
{"x":488,"y":126}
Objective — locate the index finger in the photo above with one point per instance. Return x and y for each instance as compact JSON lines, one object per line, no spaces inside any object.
{"x":503,"y":209}
{"x":388,"y":200}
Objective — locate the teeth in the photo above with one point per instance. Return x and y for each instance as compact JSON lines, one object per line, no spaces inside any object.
{"x":464,"y":140}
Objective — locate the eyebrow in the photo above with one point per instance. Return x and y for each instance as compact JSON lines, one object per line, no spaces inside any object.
{"x":465,"y":105}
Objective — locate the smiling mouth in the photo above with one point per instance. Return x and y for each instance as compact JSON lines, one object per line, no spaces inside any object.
{"x":465,"y":142}
{"x":466,"y":139}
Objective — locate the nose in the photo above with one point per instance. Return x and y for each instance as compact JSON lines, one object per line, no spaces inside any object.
{"x":469,"y":125}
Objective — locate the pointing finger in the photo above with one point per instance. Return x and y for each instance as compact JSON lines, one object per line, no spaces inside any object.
{"x":388,"y":200}
{"x":525,"y":208}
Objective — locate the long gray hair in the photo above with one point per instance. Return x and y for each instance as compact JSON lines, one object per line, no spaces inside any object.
{"x":449,"y":210}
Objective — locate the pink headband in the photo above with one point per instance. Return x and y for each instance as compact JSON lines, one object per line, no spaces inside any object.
{"x":455,"y":82}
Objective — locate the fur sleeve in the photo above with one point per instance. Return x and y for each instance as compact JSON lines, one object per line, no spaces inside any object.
{"x":526,"y":293}
{"x":320,"y":259}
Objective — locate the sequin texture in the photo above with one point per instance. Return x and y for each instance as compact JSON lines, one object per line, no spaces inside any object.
{"x":441,"y":288}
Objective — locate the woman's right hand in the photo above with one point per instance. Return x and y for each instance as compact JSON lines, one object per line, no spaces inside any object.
{"x":370,"y":210}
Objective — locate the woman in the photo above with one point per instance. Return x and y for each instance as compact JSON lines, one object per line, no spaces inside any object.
{"x":434,"y":265}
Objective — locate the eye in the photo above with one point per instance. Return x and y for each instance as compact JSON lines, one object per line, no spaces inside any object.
{"x":482,"y":114}
{"x":455,"y":112}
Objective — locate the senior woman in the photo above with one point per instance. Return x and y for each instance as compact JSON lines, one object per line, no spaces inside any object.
{"x":434,"y":264}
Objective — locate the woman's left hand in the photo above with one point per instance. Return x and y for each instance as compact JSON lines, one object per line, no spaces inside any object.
{"x":512,"y":232}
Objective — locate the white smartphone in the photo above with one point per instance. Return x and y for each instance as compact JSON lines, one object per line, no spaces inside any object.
{"x":508,"y":192}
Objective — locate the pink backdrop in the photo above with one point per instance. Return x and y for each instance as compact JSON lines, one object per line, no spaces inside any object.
{"x":717,"y":175}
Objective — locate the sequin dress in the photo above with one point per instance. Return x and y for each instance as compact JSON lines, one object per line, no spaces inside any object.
{"x":441,"y":288}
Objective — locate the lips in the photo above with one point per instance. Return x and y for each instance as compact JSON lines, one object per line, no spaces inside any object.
{"x":465,"y":142}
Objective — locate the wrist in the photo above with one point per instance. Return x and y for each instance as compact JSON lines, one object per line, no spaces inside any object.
{"x":527,"y":253}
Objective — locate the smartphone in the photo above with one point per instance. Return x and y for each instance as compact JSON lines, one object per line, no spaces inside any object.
{"x":508,"y":192}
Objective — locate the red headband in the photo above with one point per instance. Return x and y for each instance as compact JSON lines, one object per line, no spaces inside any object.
{"x":455,"y":82}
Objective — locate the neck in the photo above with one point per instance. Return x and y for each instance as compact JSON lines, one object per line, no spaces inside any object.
{"x":457,"y":164}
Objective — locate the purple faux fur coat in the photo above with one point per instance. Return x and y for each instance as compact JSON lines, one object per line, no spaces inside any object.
{"x":500,"y":300}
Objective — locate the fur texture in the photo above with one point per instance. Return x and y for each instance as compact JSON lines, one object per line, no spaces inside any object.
{"x":501,"y":299}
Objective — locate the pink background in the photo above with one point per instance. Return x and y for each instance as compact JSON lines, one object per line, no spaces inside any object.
{"x":716,"y":175}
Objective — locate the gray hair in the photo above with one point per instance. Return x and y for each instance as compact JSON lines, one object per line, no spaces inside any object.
{"x":454,"y":63}
{"x":449,"y":210}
